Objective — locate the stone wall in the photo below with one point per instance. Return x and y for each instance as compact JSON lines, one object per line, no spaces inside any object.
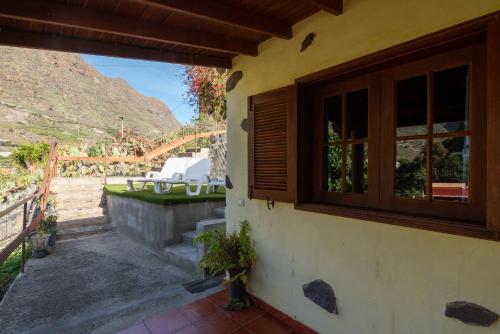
{"x":12,"y":224}
{"x":217,"y":155}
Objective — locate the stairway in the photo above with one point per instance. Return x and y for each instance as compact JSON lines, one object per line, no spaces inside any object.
{"x":81,"y":207}
{"x":187,"y":255}
{"x":202,"y":152}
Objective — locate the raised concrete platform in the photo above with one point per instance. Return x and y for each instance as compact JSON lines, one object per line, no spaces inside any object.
{"x":93,"y":285}
{"x":154,"y":225}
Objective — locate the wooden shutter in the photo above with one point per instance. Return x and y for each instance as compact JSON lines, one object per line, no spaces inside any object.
{"x":272,"y":145}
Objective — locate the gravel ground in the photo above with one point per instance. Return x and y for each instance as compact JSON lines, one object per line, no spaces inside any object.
{"x":93,"y":285}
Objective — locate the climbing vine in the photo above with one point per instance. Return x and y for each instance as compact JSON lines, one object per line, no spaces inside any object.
{"x":206,"y":90}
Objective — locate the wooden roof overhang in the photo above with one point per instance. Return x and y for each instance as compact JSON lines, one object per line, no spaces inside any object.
{"x":194,"y":32}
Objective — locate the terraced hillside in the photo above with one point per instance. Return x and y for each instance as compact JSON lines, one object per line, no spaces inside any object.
{"x":47,"y":95}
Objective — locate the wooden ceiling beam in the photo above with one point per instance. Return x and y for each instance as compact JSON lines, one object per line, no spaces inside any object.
{"x":76,"y":17}
{"x":66,"y":44}
{"x":334,"y":7}
{"x":221,"y":13}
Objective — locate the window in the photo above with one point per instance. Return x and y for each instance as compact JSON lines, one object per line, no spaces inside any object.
{"x":433,"y":136}
{"x":404,"y":137}
{"x":347,"y":116}
{"x":407,"y":136}
{"x":427,"y":146}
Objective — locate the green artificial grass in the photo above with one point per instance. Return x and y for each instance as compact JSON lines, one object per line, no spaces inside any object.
{"x":177,"y":196}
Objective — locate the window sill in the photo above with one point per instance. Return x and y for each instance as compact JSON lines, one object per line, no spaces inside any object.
{"x":430,"y":224}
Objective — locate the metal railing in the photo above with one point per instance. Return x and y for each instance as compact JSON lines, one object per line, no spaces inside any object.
{"x":43,"y":196}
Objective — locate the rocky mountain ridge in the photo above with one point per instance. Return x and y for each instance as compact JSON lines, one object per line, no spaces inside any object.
{"x":46,"y":95}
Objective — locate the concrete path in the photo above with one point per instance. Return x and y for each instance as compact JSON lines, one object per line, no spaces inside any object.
{"x":98,"y":284}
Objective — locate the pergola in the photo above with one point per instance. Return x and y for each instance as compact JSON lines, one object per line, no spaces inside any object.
{"x":190,"y":32}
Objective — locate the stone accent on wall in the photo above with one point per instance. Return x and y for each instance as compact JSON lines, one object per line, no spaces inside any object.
{"x":233,"y":80}
{"x":244,"y":124}
{"x":229,"y":185}
{"x":470,"y":313}
{"x":321,"y":293}
{"x":307,"y":41}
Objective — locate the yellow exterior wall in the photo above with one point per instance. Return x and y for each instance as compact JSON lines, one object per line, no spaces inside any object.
{"x":387,"y":279}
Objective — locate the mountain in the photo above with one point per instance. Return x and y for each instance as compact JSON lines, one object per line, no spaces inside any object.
{"x":46,"y":95}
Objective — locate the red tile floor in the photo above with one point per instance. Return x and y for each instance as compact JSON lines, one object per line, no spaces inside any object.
{"x":207,"y":316}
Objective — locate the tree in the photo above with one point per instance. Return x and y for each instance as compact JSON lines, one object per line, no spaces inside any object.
{"x":447,"y":167}
{"x":448,"y":161}
{"x":206,"y":90}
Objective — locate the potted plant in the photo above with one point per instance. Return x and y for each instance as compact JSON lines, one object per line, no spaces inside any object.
{"x":40,"y":242}
{"x":49,"y":226}
{"x":232,"y":253}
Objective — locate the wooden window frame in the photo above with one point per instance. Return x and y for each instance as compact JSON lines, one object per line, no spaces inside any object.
{"x":481,"y":30}
{"x":474,"y":210}
{"x":371,"y":197}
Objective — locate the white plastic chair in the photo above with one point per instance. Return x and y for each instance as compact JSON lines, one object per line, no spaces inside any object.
{"x":215,"y":183}
{"x":173,"y":169}
{"x":196,"y":173}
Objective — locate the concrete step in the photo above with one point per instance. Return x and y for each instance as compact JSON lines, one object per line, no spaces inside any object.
{"x":191,"y":150}
{"x":211,"y":224}
{"x":182,"y":255}
{"x":220,"y":212}
{"x":188,"y":237}
{"x":198,"y":150}
{"x":77,"y":189}
{"x":185,"y":155}
{"x":83,"y":231}
{"x":94,"y":221}
{"x":87,"y":203}
{"x":80,"y":196}
{"x":67,"y":181}
{"x":79,"y":213}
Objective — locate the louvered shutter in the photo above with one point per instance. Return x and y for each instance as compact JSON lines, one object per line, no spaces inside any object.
{"x":271,"y":145}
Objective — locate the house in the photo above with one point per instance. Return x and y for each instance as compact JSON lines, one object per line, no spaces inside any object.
{"x":393,"y":260}
{"x":345,"y":135}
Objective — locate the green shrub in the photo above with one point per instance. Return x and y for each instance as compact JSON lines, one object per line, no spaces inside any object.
{"x":48,"y":225}
{"x":31,"y":156}
{"x":10,"y":268}
{"x":18,"y":178}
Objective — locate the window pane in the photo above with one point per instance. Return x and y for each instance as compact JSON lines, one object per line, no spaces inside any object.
{"x":357,"y":114}
{"x":450,"y":169}
{"x":451,"y":100}
{"x":357,"y":168}
{"x":333,"y":118}
{"x":411,"y":106}
{"x":332,"y":162}
{"x":411,"y":168}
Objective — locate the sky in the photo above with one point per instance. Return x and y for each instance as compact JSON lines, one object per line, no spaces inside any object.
{"x":159,"y":80}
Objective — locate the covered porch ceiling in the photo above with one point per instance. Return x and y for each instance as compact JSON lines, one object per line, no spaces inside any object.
{"x":190,"y":32}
